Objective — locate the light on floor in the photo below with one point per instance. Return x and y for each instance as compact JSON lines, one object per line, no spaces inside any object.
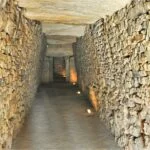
{"x":78,"y":92}
{"x":89,"y":111}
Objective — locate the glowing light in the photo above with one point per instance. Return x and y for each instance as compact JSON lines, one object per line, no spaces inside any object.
{"x":73,"y":75}
{"x":93,"y":98}
{"x":78,"y":92}
{"x":74,"y":83}
{"x":89,"y":111}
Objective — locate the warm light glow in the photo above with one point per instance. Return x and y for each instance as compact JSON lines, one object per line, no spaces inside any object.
{"x":89,"y":111}
{"x":74,"y":83}
{"x":78,"y":92}
{"x":93,"y":98}
{"x":73,"y":76}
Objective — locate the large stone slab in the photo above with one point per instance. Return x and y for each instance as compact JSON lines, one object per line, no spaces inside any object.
{"x":59,"y":50}
{"x":56,"y":39}
{"x":62,"y":17}
{"x":63,"y":29}
{"x":70,"y":11}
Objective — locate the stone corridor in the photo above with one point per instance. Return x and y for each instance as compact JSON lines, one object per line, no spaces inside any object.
{"x":51,"y":51}
{"x":59,"y":121}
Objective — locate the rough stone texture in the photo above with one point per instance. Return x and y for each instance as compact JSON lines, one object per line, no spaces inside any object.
{"x":20,"y":63}
{"x":113,"y":59}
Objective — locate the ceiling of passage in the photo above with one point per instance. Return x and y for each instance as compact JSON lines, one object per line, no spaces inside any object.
{"x":67,"y":18}
{"x":70,"y":11}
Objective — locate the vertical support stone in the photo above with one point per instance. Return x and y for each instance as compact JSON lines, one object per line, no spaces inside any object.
{"x":51,"y":69}
{"x":45,"y":74}
{"x":67,"y":61}
{"x":73,"y":72}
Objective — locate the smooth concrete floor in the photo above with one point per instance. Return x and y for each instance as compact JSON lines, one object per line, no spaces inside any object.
{"x":58,"y":121}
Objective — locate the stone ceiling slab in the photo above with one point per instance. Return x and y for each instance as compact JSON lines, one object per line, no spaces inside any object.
{"x":70,"y":11}
{"x":62,"y":29}
{"x":68,"y":18}
{"x":57,"y":39}
{"x":59,"y":50}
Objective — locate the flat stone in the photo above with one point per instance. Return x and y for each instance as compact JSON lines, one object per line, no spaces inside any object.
{"x":57,"y":39}
{"x":59,"y":50}
{"x":63,"y":29}
{"x":72,"y":11}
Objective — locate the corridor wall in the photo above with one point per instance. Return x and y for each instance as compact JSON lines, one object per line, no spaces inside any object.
{"x":113,"y":66}
{"x":21,"y":52}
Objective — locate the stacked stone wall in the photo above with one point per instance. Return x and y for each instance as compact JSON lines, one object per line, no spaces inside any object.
{"x":113,"y":59}
{"x":20,"y":63}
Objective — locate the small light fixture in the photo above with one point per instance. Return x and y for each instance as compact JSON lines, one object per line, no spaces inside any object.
{"x":89,"y":111}
{"x":78,"y":92}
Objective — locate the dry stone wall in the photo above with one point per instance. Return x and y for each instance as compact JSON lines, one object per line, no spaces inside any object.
{"x":20,"y":63}
{"x":113,"y":59}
